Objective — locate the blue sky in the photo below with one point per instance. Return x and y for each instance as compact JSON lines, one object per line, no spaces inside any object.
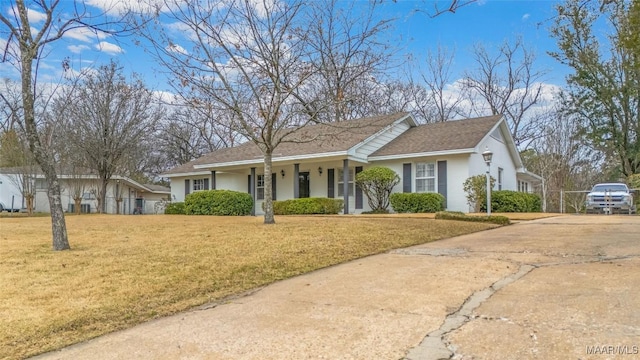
{"x":490,"y":22}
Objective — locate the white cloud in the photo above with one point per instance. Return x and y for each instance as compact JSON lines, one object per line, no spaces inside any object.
{"x":109,"y":48}
{"x":35,"y":16}
{"x":115,"y":7}
{"x":85,"y":34}
{"x":525,"y":17}
{"x":77,"y":49}
{"x":175,"y":48}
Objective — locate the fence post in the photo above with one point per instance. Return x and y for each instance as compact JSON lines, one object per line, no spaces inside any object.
{"x":561,"y":201}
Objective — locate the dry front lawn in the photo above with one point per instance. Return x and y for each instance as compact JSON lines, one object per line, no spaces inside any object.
{"x":124,"y":270}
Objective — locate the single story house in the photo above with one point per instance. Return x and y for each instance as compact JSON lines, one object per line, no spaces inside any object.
{"x":135,"y":197}
{"x":322,"y":160}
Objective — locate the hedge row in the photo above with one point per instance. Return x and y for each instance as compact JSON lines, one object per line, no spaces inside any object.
{"x":448,"y":215}
{"x":176,"y":208}
{"x":513,"y":201}
{"x":218,"y":202}
{"x":417,"y":202}
{"x":306,"y":206}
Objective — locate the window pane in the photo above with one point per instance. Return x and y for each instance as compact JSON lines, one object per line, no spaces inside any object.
{"x":431,"y":169}
{"x":198,"y":184}
{"x":420,"y":185}
{"x":430,"y":185}
{"x":420,"y":170}
{"x":260,"y":193}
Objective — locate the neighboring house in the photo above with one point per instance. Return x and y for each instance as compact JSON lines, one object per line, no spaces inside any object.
{"x":135,"y":197}
{"x":428,"y":158}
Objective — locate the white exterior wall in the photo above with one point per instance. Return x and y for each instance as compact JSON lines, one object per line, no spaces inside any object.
{"x":127,"y":205}
{"x":501,"y":159}
{"x":457,"y":173}
{"x":9,"y":192}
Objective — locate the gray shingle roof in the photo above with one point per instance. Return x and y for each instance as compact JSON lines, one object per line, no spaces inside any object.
{"x":312,"y":139}
{"x":443,"y":136}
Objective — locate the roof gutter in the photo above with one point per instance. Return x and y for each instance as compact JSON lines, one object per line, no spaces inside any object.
{"x":274,"y":160}
{"x":423,"y":154}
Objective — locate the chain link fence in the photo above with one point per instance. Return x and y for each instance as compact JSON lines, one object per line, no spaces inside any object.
{"x":571,"y":201}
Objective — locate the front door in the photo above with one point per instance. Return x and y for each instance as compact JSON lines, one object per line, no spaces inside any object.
{"x":303,"y":184}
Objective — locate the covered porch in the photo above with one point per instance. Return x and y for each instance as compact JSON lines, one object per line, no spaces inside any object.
{"x":293,"y":179}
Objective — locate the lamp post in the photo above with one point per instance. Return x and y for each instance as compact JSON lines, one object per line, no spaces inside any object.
{"x":487,"y":155}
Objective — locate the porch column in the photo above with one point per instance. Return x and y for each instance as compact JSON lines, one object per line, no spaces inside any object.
{"x":345,"y":185}
{"x":253,"y":190}
{"x":213,"y":179}
{"x":296,"y":181}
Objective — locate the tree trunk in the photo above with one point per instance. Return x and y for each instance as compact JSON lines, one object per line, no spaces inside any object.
{"x":58,"y":224}
{"x":102,"y":197}
{"x":43,"y":158}
{"x":29,"y":200}
{"x":268,"y":198}
{"x":77,"y":203}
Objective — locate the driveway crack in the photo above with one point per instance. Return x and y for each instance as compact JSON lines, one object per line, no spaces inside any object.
{"x":433,"y":347}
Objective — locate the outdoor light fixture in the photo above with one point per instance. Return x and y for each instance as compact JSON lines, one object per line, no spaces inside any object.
{"x":487,"y":155}
{"x":320,"y":170}
{"x":282,"y":172}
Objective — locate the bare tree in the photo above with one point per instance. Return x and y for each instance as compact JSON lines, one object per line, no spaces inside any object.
{"x":562,"y":158}
{"x":248,"y":59}
{"x":110,"y":119}
{"x":507,"y":83}
{"x":347,"y":39}
{"x":26,"y":46}
{"x":191,"y":132}
{"x":264,"y":62}
{"x":442,"y":103}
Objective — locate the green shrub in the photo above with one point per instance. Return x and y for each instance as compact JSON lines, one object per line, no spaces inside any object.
{"x":417,"y":202}
{"x":176,"y":208}
{"x":307,"y":206}
{"x":446,"y":215}
{"x":377,"y":183}
{"x":476,"y":189}
{"x":218,"y":202}
{"x":514,"y":201}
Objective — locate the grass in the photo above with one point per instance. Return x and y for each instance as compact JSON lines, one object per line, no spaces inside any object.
{"x":124,"y":270}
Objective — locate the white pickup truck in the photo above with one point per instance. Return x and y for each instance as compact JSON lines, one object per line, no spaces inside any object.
{"x":610,"y":198}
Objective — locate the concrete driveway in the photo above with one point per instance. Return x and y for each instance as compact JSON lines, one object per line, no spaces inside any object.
{"x":556,"y":288}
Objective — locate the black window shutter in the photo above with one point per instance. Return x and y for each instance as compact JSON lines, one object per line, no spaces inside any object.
{"x":406,"y":178}
{"x":186,"y":187}
{"x":330,"y":183}
{"x":442,"y":180}
{"x":206,"y":184}
{"x":249,"y":184}
{"x":273,"y":185}
{"x":358,"y":190}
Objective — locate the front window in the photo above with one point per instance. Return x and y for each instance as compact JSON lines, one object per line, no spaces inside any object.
{"x":341,"y":182}
{"x":425,"y":177}
{"x":260,"y":187}
{"x":198,"y":184}
{"x":500,"y":171}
